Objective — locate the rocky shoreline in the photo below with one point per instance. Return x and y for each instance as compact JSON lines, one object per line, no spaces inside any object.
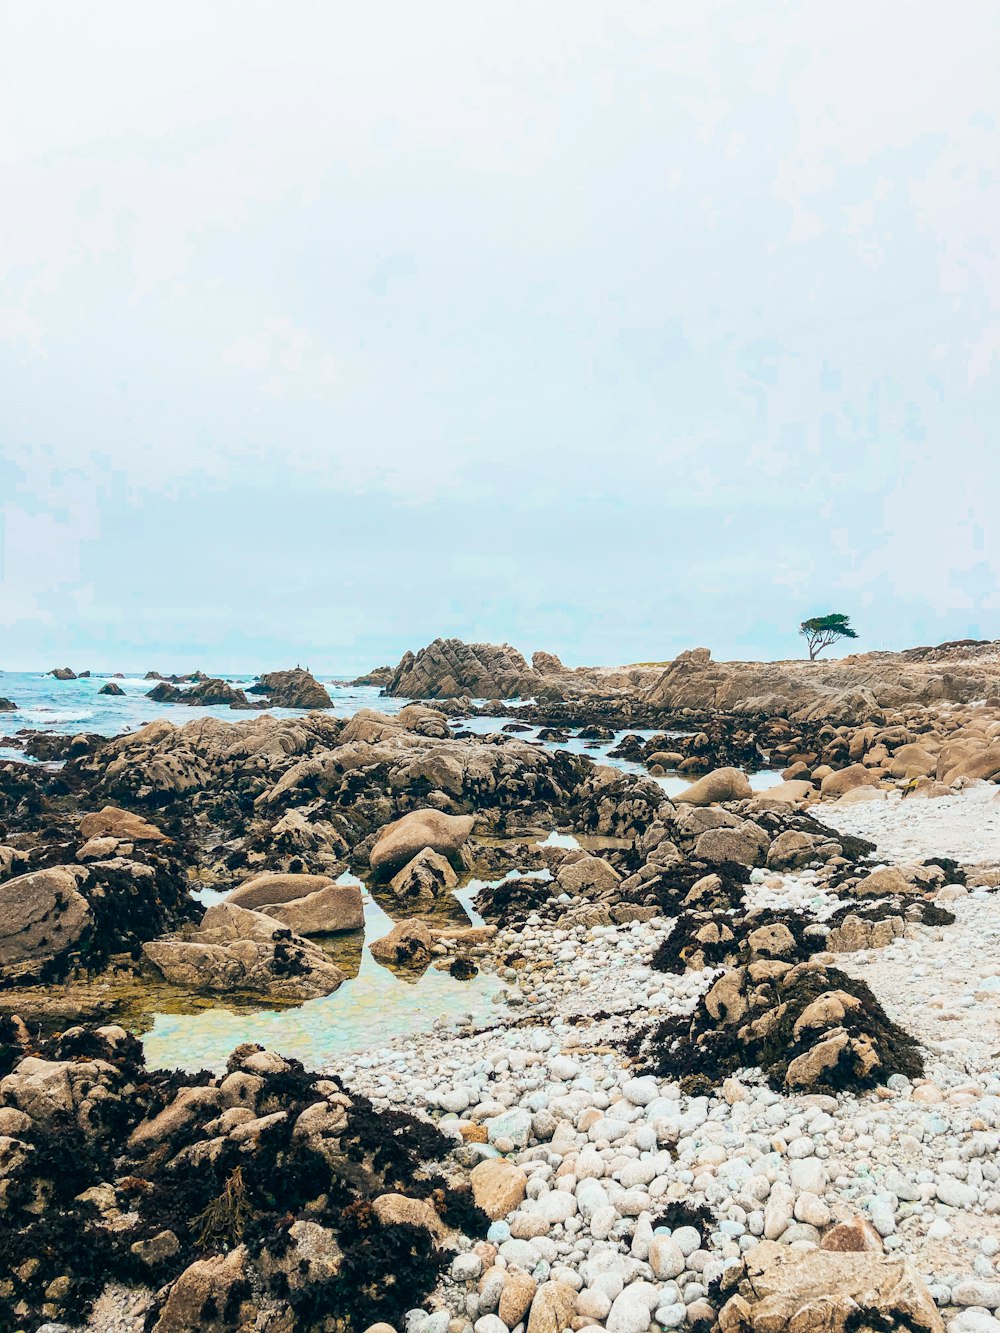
{"x":744,"y":1078}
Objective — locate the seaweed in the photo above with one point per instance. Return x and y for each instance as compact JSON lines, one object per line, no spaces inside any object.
{"x":701,"y":1051}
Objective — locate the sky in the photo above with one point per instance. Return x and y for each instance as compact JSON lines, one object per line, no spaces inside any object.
{"x":608,"y":328}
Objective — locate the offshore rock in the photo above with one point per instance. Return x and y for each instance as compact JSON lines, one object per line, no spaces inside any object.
{"x":448,"y":668}
{"x":292,"y":689}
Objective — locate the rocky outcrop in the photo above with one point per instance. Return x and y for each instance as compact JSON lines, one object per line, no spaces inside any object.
{"x":778,"y":1287}
{"x":447,"y":668}
{"x":240,"y":951}
{"x":111,"y":688}
{"x":546,"y":664}
{"x":63,"y":673}
{"x":207,"y":693}
{"x":809,"y":1028}
{"x":7,"y":706}
{"x":379,"y":677}
{"x":70,"y":899}
{"x":296,"y":688}
{"x":847,"y":691}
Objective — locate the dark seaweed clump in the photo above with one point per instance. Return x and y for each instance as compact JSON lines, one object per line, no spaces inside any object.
{"x":207,"y":1188}
{"x":756,"y":1027}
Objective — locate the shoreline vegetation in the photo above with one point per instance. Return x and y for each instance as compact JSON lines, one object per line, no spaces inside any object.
{"x":738,"y":1069}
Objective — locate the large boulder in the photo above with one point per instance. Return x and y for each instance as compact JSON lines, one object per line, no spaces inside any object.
{"x":723,"y":784}
{"x":400,"y":841}
{"x":121,"y":824}
{"x":201,"y":1299}
{"x":588,"y":875}
{"x":329,"y":911}
{"x":42,"y":914}
{"x":428,"y":875}
{"x":792,"y":792}
{"x":7,"y":706}
{"x":747,"y":845}
{"x":292,"y":689}
{"x":982,"y":762}
{"x":819,"y":1291}
{"x":269,"y":889}
{"x":847,"y":779}
{"x":111,"y":688}
{"x":236,"y":950}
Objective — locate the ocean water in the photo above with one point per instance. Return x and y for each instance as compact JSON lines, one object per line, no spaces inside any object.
{"x":375,"y":1003}
{"x":69,"y":707}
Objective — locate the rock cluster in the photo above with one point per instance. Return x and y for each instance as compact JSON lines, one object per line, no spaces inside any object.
{"x":265,"y":1194}
{"x":447,"y":668}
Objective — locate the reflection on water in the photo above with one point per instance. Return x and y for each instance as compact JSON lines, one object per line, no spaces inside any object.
{"x":375,"y":1005}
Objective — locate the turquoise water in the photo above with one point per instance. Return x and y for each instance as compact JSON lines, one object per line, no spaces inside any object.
{"x":373,"y":1007}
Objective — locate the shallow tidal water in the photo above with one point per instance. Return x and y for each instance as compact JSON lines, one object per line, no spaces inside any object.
{"x":375,"y":1004}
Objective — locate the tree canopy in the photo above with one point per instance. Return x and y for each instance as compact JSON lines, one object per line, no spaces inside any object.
{"x":821,"y":631}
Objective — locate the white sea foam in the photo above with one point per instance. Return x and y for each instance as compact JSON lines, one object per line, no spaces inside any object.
{"x":53,"y":715}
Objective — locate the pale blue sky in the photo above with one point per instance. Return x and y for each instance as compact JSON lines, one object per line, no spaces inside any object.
{"x":607,"y":328}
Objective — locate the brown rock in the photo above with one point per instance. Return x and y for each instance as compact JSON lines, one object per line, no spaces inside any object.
{"x":329,"y":911}
{"x":400,"y":841}
{"x":516,"y":1298}
{"x":846,"y":779}
{"x":428,"y":875}
{"x":775,"y":941}
{"x":391,"y":1209}
{"x":723,"y":784}
{"x":553,"y":1308}
{"x":589,"y":875}
{"x":747,"y":845}
{"x":207,"y":1284}
{"x":855,"y":1237}
{"x":498,"y":1187}
{"x":120,"y":824}
{"x":810,"y":1067}
{"x":825,"y":1292}
{"x":269,"y":889}
{"x":409,"y":943}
